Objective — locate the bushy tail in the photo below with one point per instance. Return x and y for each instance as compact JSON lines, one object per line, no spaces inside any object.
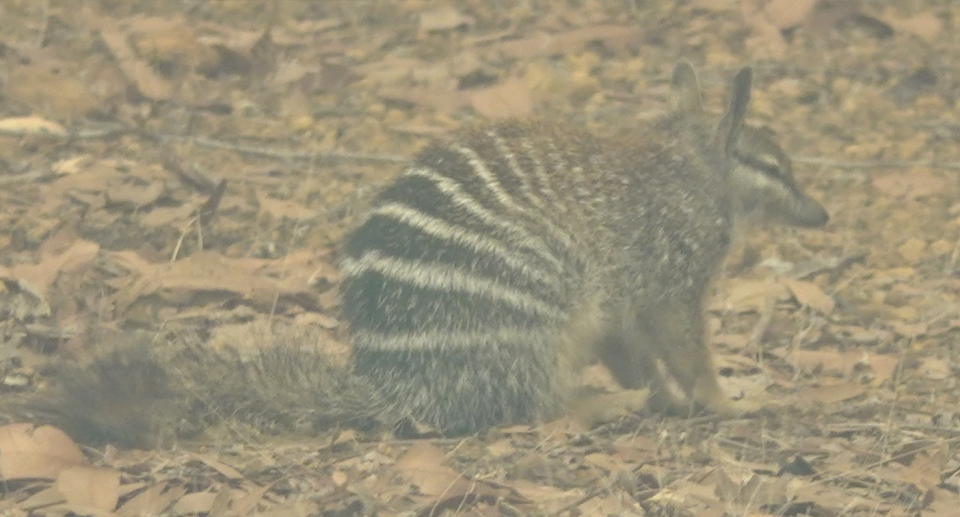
{"x":145,"y":391}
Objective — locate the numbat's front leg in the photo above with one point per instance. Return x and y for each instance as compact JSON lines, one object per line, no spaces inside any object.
{"x":634,"y":368}
{"x":679,"y":333}
{"x":665,"y":345}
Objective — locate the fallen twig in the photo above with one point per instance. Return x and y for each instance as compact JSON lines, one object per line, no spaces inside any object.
{"x":214,"y":144}
{"x":284,"y":154}
{"x":877,"y":164}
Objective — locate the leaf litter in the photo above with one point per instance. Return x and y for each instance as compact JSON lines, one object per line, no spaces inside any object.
{"x":217,"y":191}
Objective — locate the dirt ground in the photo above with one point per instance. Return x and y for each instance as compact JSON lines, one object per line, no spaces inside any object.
{"x":183,"y":164}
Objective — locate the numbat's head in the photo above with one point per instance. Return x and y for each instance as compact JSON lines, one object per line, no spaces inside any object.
{"x":762,"y":185}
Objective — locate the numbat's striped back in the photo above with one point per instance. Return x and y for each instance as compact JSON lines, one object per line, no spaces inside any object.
{"x":461,"y":280}
{"x":495,"y":265}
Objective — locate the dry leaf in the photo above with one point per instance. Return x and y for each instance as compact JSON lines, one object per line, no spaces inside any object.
{"x":884,"y":366}
{"x":210,"y":273}
{"x":152,"y":501}
{"x":508,"y":99}
{"x":443,"y":17}
{"x":547,"y":497}
{"x":818,"y":495}
{"x":921,"y":474}
{"x":42,"y":499}
{"x":934,"y":368}
{"x":243,"y":504}
{"x":785,"y":14}
{"x":443,"y":100}
{"x":171,"y":40}
{"x":913,"y":250}
{"x":52,"y":88}
{"x":86,"y":487}
{"x":422,"y":466}
{"x":909,"y":184}
{"x":828,"y":359}
{"x":221,"y":467}
{"x":845,"y":363}
{"x":137,"y":71}
{"x":829,"y":394}
{"x":31,"y":126}
{"x":346,"y":436}
{"x":30,"y":452}
{"x":943,"y":503}
{"x":715,"y":5}
{"x":766,"y":40}
{"x":613,"y":504}
{"x":38,"y":278}
{"x":284,"y":208}
{"x":501,"y":448}
{"x":72,"y":165}
{"x":605,"y":462}
{"x":925,"y":25}
{"x":618,"y":38}
{"x":809,"y":294}
{"x":197,"y":503}
{"x":758,"y":490}
{"x":136,"y":195}
{"x":743,"y":295}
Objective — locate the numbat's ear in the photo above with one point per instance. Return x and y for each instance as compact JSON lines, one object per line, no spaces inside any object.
{"x":732,"y":121}
{"x":687,"y":88}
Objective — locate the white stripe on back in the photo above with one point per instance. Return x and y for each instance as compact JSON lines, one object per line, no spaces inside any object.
{"x":511,"y":336}
{"x":468,"y":203}
{"x":473,"y":240}
{"x":446,"y":278}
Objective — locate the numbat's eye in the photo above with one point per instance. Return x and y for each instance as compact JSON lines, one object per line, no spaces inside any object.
{"x":764,"y":164}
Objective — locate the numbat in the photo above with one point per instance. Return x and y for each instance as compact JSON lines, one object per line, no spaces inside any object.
{"x":486,"y":275}
{"x":500,"y":263}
